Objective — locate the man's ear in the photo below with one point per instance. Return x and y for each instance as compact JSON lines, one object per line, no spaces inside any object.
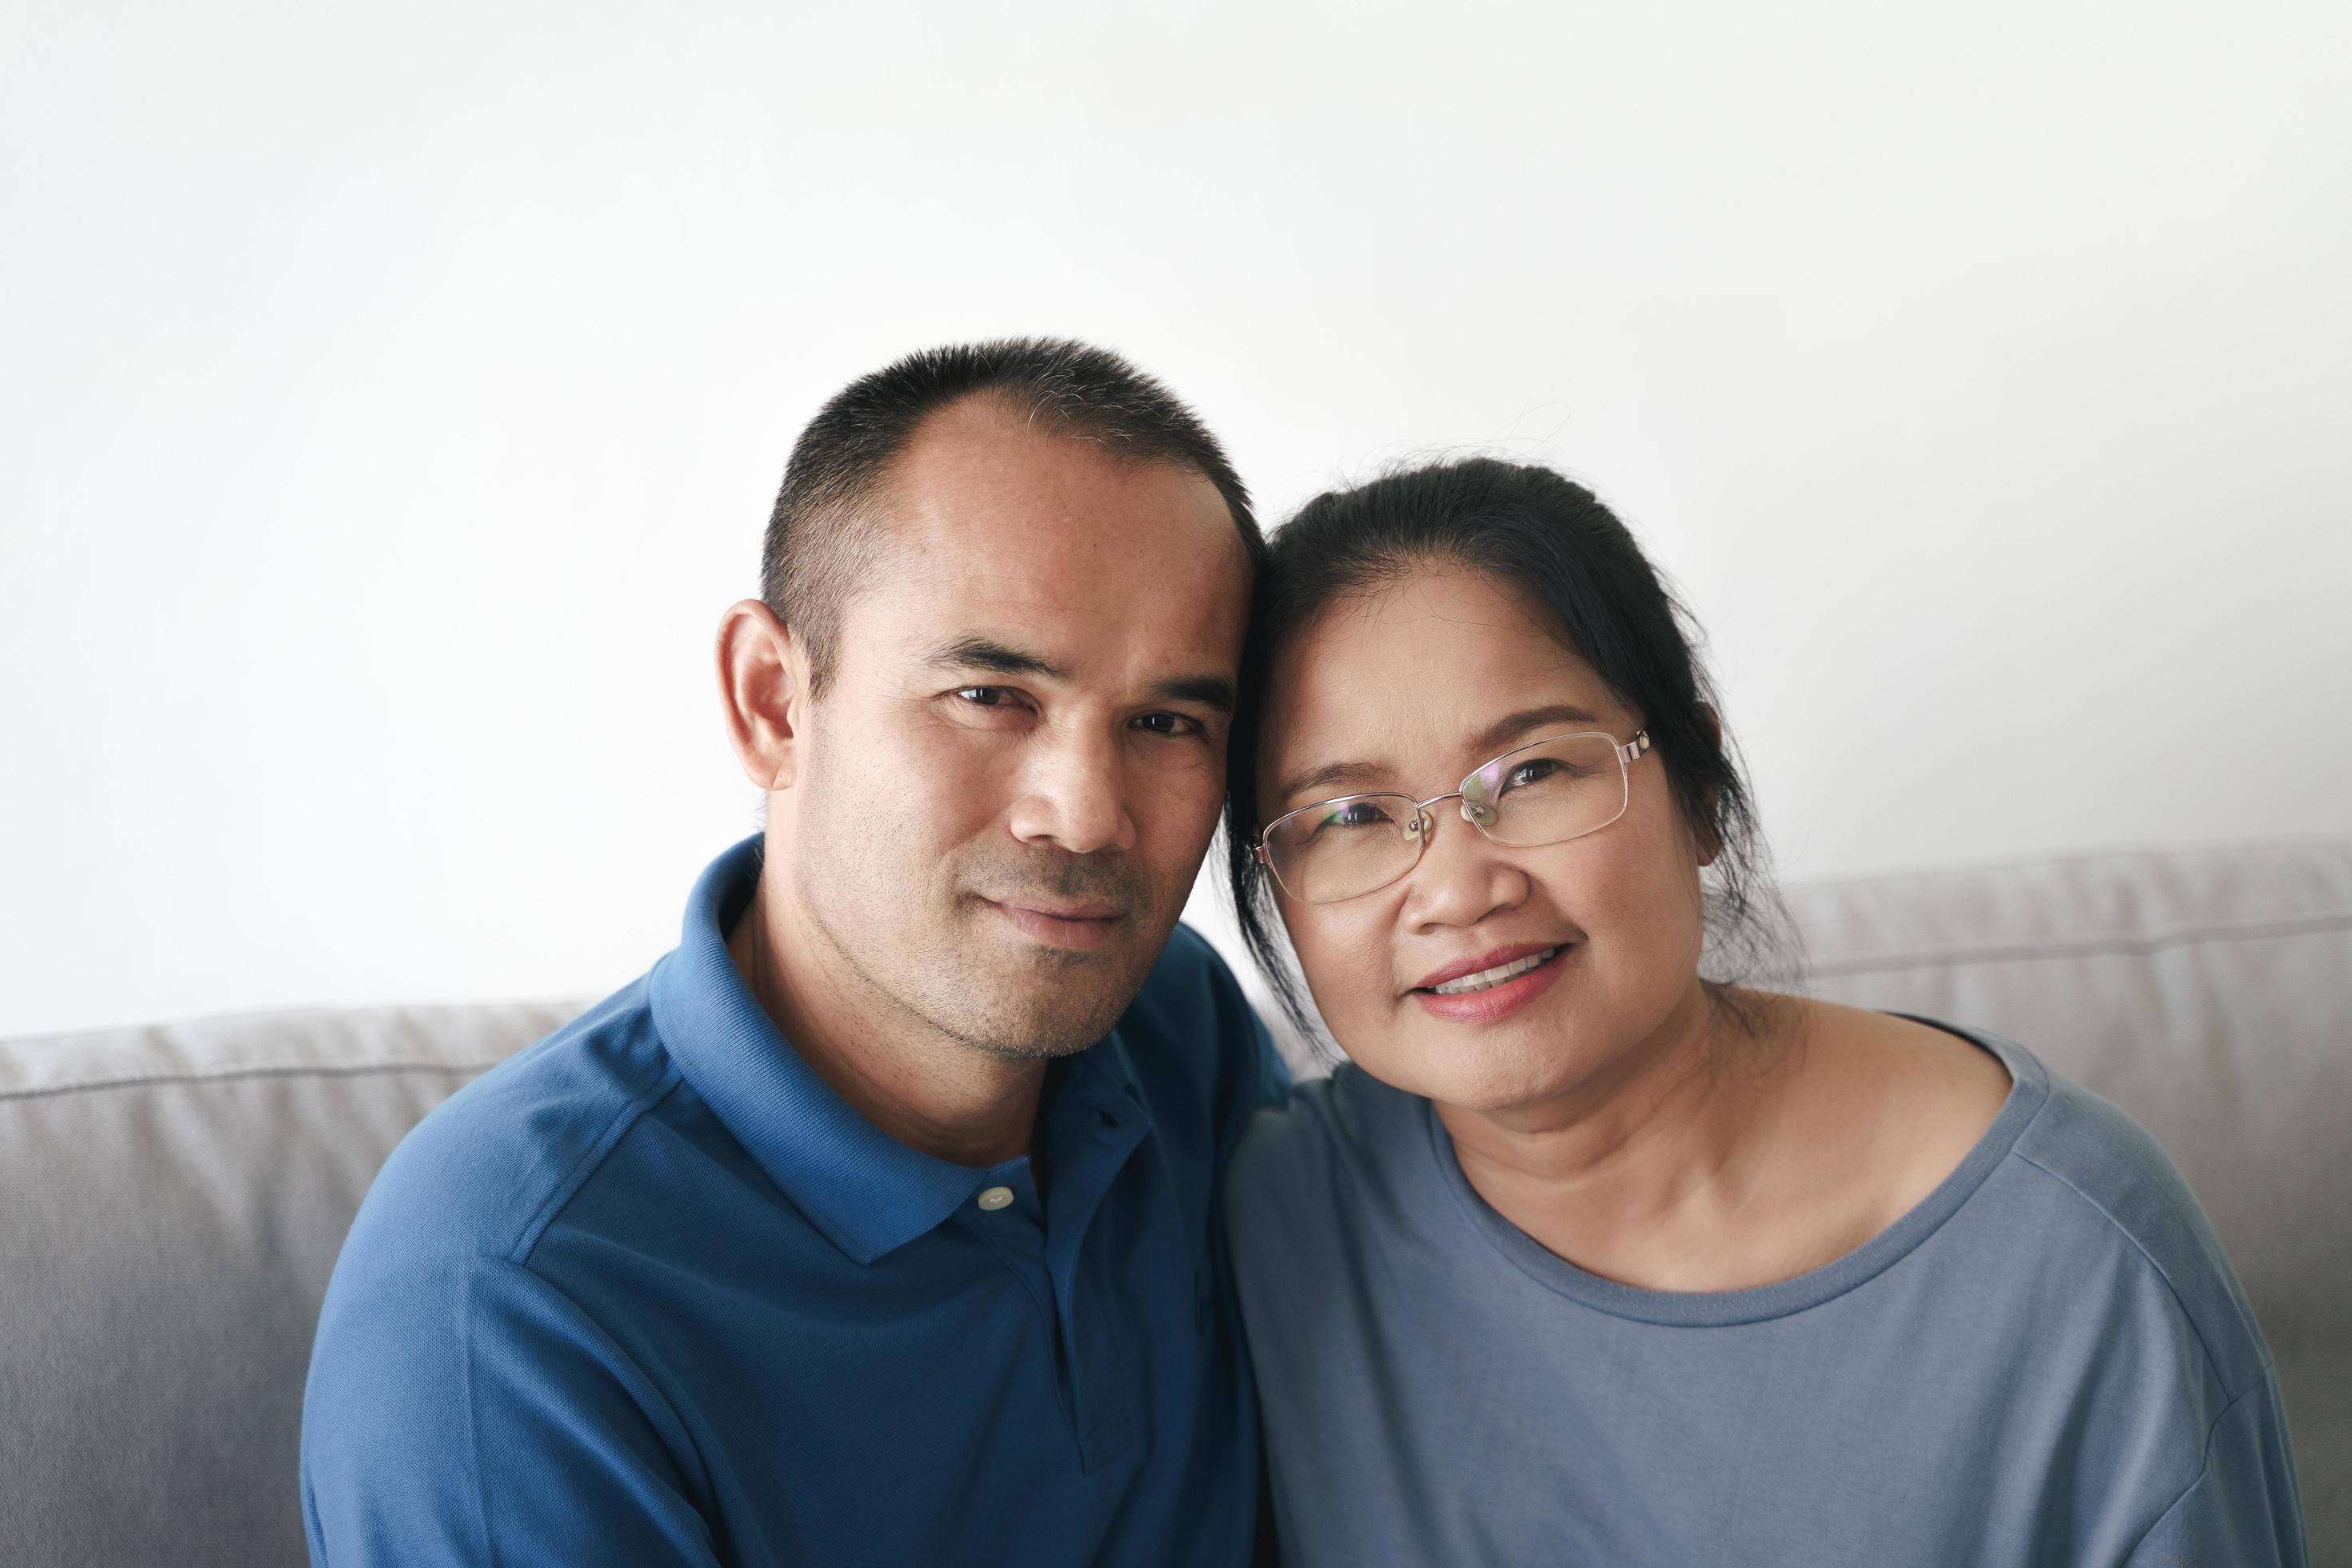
{"x":763,"y":685}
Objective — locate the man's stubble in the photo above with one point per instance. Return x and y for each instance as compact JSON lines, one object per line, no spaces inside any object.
{"x":917,"y":935}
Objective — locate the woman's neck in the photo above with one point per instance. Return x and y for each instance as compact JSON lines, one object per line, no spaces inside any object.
{"x":1652,"y":1171}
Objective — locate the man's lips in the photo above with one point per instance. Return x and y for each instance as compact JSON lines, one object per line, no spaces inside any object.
{"x":1097,"y":910}
{"x":1079,"y":926}
{"x":1488,"y":959}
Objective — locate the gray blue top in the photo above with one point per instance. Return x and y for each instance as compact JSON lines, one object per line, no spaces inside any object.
{"x":2049,"y":1361}
{"x":650,"y":1293}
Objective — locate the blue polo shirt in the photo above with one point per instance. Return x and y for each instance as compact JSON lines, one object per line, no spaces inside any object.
{"x":650,"y":1292}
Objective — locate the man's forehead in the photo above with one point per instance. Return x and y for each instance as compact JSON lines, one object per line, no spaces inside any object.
{"x":1022,"y":525}
{"x":1064,"y":630}
{"x":976,"y":477}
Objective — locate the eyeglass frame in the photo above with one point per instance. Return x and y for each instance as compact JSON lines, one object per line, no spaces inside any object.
{"x":1422,"y":826}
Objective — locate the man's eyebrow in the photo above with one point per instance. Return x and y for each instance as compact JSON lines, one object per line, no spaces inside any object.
{"x":986,"y":653}
{"x":1213,"y":691}
{"x":1518,"y":725}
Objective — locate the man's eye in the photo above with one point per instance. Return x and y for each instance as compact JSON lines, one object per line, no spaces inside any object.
{"x":1167,"y":723}
{"x":984,"y":696}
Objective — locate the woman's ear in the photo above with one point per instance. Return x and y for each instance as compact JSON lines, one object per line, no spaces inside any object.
{"x":1710,"y":844}
{"x":763,"y":685}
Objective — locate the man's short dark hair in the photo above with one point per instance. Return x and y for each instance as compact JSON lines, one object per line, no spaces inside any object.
{"x":820,"y":537}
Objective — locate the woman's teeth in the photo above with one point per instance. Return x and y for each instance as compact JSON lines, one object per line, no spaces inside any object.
{"x":1486,"y":978}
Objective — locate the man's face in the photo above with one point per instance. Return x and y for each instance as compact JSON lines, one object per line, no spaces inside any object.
{"x":1006,"y":787}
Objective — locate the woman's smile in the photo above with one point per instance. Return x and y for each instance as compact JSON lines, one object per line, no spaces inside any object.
{"x":1493,"y":985}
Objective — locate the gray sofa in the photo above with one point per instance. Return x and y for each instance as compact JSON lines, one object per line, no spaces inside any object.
{"x":172,"y":1199}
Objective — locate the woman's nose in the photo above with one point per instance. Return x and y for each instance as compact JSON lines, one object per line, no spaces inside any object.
{"x":1461,"y":878}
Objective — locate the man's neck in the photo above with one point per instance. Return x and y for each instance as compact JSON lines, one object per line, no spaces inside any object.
{"x":931,"y":1092}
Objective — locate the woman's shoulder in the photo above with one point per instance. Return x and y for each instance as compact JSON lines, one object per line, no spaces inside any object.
{"x":2091,"y":1180}
{"x":1340,"y":1141}
{"x":2095,"y":1182}
{"x":2124,"y":1184}
{"x":1893,"y":1105}
{"x":1323,"y":1117}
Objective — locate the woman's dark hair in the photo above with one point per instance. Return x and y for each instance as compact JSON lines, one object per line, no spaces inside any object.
{"x":1552,"y":540}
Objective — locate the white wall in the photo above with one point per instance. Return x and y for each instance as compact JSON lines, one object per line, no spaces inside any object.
{"x":391,"y":398}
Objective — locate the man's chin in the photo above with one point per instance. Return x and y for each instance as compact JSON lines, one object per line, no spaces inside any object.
{"x":1034,"y":1049}
{"x":1022,"y":1034}
{"x":1026,"y":999}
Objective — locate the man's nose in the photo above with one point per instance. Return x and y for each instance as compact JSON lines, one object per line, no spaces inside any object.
{"x":1074,"y":795}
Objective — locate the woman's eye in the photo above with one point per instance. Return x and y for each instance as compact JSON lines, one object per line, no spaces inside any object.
{"x":1554,"y":773}
{"x":1358,"y":814}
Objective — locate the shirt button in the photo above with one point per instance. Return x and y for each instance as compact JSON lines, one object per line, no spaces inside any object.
{"x":996,"y":1197}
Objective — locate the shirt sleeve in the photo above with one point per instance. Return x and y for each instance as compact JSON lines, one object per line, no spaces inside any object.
{"x":2242,"y":1509}
{"x":475,"y":1415}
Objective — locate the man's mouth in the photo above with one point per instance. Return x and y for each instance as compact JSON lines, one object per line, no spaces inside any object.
{"x":1094,"y":911}
{"x":1078,"y":927}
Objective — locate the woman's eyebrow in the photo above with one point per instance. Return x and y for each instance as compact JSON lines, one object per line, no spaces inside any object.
{"x":1493,"y":735}
{"x":1493,"y":738}
{"x":1330,"y":775}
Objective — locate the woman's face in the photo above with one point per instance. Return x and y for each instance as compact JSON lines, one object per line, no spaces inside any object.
{"x":1406,"y":688}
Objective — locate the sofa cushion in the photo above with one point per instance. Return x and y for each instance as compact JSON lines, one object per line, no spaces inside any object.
{"x":171,"y":1200}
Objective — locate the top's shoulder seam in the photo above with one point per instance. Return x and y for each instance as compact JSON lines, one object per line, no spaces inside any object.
{"x":2204,"y":1345}
{"x":590,"y":1160}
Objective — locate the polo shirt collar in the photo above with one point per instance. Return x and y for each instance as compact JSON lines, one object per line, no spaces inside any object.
{"x":869,"y":1194}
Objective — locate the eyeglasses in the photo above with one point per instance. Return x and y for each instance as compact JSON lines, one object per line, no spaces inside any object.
{"x":1544,"y":792}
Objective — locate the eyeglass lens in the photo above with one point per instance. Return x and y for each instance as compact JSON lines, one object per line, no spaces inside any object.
{"x":1544,"y":792}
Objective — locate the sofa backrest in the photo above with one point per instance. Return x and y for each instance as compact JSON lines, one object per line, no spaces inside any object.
{"x":170,"y":1203}
{"x":172,"y":1199}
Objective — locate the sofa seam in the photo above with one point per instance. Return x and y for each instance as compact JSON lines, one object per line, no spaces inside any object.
{"x":2110,"y":946}
{"x":313,"y":1069}
{"x":2298,"y":846}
